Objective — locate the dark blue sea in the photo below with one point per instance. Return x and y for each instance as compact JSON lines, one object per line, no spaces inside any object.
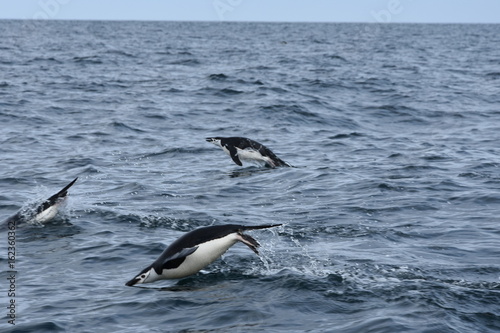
{"x":391,"y":212}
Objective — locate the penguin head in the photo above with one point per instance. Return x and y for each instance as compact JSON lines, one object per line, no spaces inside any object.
{"x":216,"y":141}
{"x":142,"y":277}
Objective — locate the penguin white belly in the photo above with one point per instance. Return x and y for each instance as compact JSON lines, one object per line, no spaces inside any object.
{"x":205,"y":254}
{"x":48,"y":214}
{"x":253,"y":156}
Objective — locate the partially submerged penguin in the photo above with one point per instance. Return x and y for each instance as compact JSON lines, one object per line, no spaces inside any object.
{"x":244,"y":149}
{"x":42,"y":212}
{"x":196,"y":250}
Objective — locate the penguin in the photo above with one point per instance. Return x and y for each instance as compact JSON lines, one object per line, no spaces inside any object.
{"x":248,"y":150}
{"x":196,"y":250}
{"x":42,"y":212}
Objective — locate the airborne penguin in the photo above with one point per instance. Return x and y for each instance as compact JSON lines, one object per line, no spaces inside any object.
{"x":244,"y":149}
{"x":196,"y":250}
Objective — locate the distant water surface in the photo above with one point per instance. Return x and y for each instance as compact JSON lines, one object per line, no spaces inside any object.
{"x":391,"y":213}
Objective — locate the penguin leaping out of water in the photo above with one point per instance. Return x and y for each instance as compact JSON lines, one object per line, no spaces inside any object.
{"x":196,"y":250}
{"x":243,"y":149}
{"x":42,"y":212}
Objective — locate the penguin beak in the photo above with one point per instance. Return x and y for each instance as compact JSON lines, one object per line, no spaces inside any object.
{"x":209,"y":139}
{"x":132,"y":282}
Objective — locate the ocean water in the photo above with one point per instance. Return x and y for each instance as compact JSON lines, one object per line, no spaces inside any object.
{"x":391,"y":211}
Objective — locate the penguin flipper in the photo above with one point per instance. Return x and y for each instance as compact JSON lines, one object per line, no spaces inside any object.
{"x":234,"y":154}
{"x":177,"y":259}
{"x":53,"y":199}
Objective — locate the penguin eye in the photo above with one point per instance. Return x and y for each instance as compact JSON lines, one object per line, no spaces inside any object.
{"x":143,"y":276}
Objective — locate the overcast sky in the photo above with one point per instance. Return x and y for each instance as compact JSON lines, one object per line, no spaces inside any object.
{"x":422,"y":11}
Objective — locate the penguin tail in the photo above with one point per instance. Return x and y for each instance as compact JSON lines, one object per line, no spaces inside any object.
{"x":262,"y":226}
{"x":249,"y":240}
{"x":277,"y":162}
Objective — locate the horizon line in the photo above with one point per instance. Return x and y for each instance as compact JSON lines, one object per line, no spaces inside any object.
{"x":239,"y":21}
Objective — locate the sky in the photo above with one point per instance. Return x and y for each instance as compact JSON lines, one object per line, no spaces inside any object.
{"x":383,"y":11}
